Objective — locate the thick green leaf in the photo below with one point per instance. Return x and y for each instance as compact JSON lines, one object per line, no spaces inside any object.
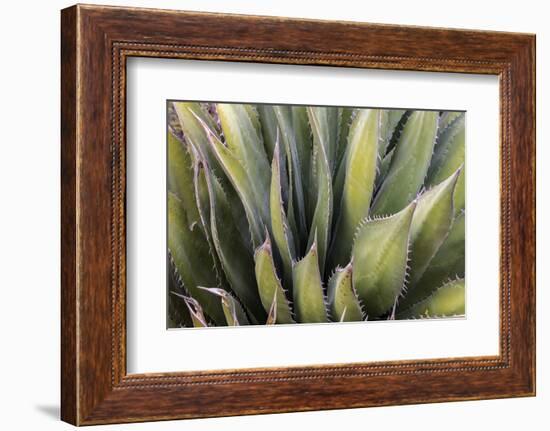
{"x":180,"y":177}
{"x":202,"y":198}
{"x":190,"y":116}
{"x":324,"y":125}
{"x":389,"y":119}
{"x":203,"y":205}
{"x":346,"y":117}
{"x":268,"y":122}
{"x":235,"y":256}
{"x":198,"y":124}
{"x":337,"y":190}
{"x":187,"y":113}
{"x":448,"y":157}
{"x":243,"y":181}
{"x":390,"y":122}
{"x":450,"y":145}
{"x":360,"y":172}
{"x":398,"y":130}
{"x":300,"y":123}
{"x":342,"y":299}
{"x":448,"y":263}
{"x":279,"y":223}
{"x":232,"y":310}
{"x":241,"y":130}
{"x":173,"y":122}
{"x":252,"y":112}
{"x":448,"y":300}
{"x":191,"y":256}
{"x":322,"y":217}
{"x":459,"y":198}
{"x":269,"y":285}
{"x":309,"y":301}
{"x":430,"y":226}
{"x":409,"y":163}
{"x":178,"y":314}
{"x":446,"y":119}
{"x":383,"y":169}
{"x":251,"y":178}
{"x":288,"y":138}
{"x":333,"y":119}
{"x":379,"y":260}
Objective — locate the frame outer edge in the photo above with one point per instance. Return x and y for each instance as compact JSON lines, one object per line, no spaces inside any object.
{"x":522,"y":178}
{"x":532,"y":126}
{"x":533,"y":56}
{"x":88,"y":395}
{"x":530,"y":80}
{"x":69,"y":202}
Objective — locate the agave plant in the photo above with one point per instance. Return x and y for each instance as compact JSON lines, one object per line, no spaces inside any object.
{"x":292,"y":214}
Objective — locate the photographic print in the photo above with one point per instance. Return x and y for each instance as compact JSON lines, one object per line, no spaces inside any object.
{"x":280,"y":214}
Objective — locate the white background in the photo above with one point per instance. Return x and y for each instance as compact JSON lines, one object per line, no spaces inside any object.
{"x":153,"y":349}
{"x":29,"y":224}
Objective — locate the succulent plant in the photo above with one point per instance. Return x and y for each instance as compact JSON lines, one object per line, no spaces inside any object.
{"x":293,"y":214}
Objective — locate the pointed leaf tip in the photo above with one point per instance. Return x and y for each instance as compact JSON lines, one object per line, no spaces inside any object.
{"x":269,"y":285}
{"x":280,"y":225}
{"x":195,"y":310}
{"x":272,"y":315}
{"x":309,"y":301}
{"x":380,"y":256}
{"x":358,"y":170}
{"x":267,"y":243}
{"x":430,"y":226}
{"x":342,"y":299}
{"x":232,"y":309}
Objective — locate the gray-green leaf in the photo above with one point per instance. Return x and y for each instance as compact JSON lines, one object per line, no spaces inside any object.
{"x":448,"y":300}
{"x":322,"y":217}
{"x":342,"y":299}
{"x":309,"y":301}
{"x":235,"y":256}
{"x":279,"y":223}
{"x":180,"y":176}
{"x":409,"y":163}
{"x":191,"y":256}
{"x":360,"y":171}
{"x":448,"y":263}
{"x":448,"y":157}
{"x":232,"y":310}
{"x":379,"y":260}
{"x":269,"y":285}
{"x":430,"y":225}
{"x":245,"y":163}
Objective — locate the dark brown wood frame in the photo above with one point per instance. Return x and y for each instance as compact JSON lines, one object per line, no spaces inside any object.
{"x":95,"y":44}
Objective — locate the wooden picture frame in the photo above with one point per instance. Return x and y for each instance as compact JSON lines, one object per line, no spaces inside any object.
{"x":96,"y":41}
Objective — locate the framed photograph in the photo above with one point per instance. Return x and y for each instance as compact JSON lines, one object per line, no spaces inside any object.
{"x":264,"y":214}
